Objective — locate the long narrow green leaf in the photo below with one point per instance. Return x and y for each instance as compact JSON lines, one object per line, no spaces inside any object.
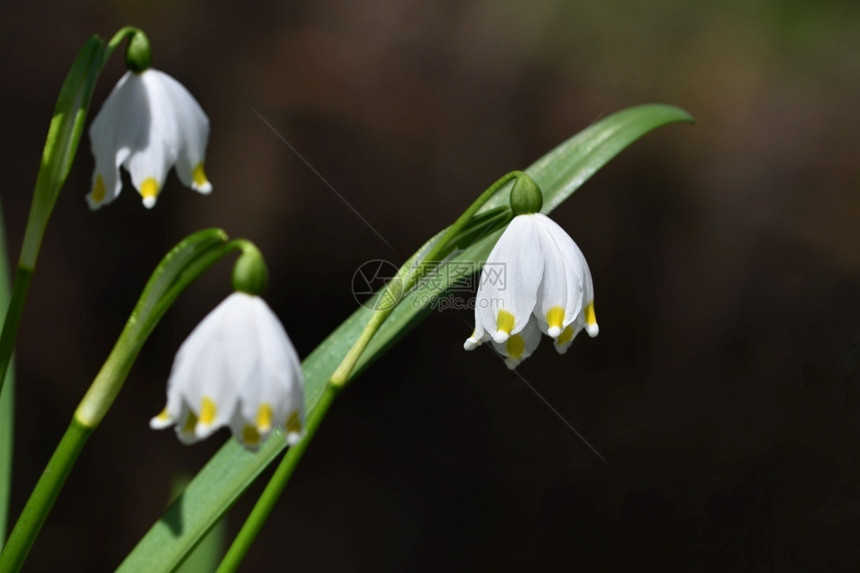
{"x":559,"y":173}
{"x":208,"y":553}
{"x":64,"y":134}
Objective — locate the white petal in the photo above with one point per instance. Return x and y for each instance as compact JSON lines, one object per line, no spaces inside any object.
{"x":519,"y":346}
{"x":565,"y":339}
{"x":476,"y":339}
{"x":551,"y":307}
{"x":509,"y":280}
{"x":588,"y":316}
{"x":193,"y":128}
{"x":204,"y":366}
{"x":158,"y":143}
{"x":575,"y":271}
{"x":113,"y":136}
{"x":185,"y":424}
{"x":245,"y":432}
{"x":280,"y":371}
{"x":161,"y":421}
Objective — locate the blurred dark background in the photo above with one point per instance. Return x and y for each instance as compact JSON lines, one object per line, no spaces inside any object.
{"x":723,"y":388}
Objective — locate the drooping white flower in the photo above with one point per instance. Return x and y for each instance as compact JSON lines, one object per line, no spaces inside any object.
{"x":535,"y":280}
{"x":237,"y":368}
{"x":148,"y":124}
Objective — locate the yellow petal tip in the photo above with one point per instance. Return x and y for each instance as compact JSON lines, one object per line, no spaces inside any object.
{"x":208,"y":410}
{"x":199,"y":181}
{"x":99,"y":192}
{"x":264,"y":418}
{"x":149,"y":192}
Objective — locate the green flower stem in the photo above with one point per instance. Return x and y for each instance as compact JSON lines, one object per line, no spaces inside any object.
{"x":342,"y":375}
{"x":7,"y":400}
{"x":178,"y":269}
{"x":409,"y":275}
{"x":7,"y":433}
{"x":108,"y":382}
{"x":61,"y":144}
{"x":89,"y":414}
{"x":252,"y":526}
{"x":43,"y":497}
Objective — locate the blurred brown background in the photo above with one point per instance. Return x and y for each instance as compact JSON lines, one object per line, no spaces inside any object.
{"x":723,"y":388}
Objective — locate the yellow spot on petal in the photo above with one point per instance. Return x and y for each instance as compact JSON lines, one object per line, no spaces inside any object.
{"x":590,"y":317}
{"x":505,"y":321}
{"x":207,"y":411}
{"x":149,"y":188}
{"x":163,"y":415}
{"x":99,"y":190}
{"x":190,"y":422}
{"x":555,"y":317}
{"x":515,"y":346}
{"x":250,"y":435}
{"x":565,"y":336}
{"x":264,"y":417}
{"x":199,"y":176}
{"x":294,"y":423}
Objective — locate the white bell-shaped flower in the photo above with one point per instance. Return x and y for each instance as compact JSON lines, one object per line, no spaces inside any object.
{"x":148,"y":124}
{"x":237,"y":368}
{"x":535,"y":280}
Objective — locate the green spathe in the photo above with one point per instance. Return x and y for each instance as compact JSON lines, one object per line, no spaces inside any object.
{"x":526,"y":197}
{"x":138,"y":57}
{"x":250,"y":274}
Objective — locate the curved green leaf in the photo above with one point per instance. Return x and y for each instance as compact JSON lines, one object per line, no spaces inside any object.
{"x":217,"y":486}
{"x":64,"y":134}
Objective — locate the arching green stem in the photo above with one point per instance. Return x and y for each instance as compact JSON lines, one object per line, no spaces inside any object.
{"x":406,"y":278}
{"x":179,"y":268}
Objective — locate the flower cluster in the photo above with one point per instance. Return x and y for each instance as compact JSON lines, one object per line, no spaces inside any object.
{"x":238,"y":367}
{"x":546,"y":287}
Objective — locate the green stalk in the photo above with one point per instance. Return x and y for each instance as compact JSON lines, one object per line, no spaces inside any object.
{"x":409,"y":274}
{"x":276,"y":485}
{"x":178,"y":269}
{"x":7,"y":402}
{"x":43,"y":497}
{"x":7,"y":433}
{"x":407,"y":277}
{"x":89,"y":414}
